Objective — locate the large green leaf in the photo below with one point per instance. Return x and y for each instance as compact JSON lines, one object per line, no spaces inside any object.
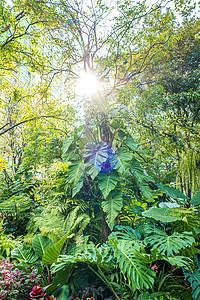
{"x":160,"y":214}
{"x":168,"y":244}
{"x":180,"y":261}
{"x":51,"y":254}
{"x":97,"y":154}
{"x":137,"y":272}
{"x":41,"y":244}
{"x":194,"y":279}
{"x":75,"y":172}
{"x":145,"y":190}
{"x":124,"y":158}
{"x":139,"y":172}
{"x":77,"y":188}
{"x":62,"y":293}
{"x":131,"y":143}
{"x":127,"y":234}
{"x":67,"y":142}
{"x":172,"y":192}
{"x":100,"y":256}
{"x":195,"y":199}
{"x":91,"y":171}
{"x":25,"y":253}
{"x":112,"y":206}
{"x":107,"y":182}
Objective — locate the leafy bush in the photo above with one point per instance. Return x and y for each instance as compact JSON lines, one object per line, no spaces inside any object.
{"x":15,"y":283}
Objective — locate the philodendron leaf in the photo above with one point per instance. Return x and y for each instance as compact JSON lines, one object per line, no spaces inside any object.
{"x":75,"y":172}
{"x":96,"y":154}
{"x":131,"y":143}
{"x":160,"y":214}
{"x":124,"y":159}
{"x":51,"y":254}
{"x":91,"y":170}
{"x":25,"y":253}
{"x":67,"y":142}
{"x":112,"y":206}
{"x":195,"y":199}
{"x":41,"y":244}
{"x":77,"y":188}
{"x":172,"y":192}
{"x":107,"y":182}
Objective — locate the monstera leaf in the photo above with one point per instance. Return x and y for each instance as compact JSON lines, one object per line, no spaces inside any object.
{"x":195,"y":199}
{"x":124,"y":159}
{"x":131,"y":266}
{"x":112,"y":206}
{"x":25,"y":253}
{"x":194,"y":280}
{"x":168,"y":244}
{"x":171,"y":192}
{"x":160,"y":214}
{"x":127,"y":234}
{"x":41,"y":244}
{"x":75,"y":172}
{"x":107,"y":182}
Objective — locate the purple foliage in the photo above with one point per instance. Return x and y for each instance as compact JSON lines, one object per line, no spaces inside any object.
{"x":14,"y":283}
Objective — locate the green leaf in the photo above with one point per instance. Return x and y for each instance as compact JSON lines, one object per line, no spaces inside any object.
{"x":171,"y":192}
{"x":127,"y":234}
{"x":97,"y":154}
{"x":62,"y":293}
{"x":180,"y":261}
{"x":131,"y":143}
{"x":77,"y":188}
{"x":145,"y":190}
{"x":124,"y":158}
{"x":41,"y":244}
{"x":75,"y":172}
{"x":168,"y":244}
{"x":26,"y":253}
{"x":67,"y":142}
{"x":194,"y":279}
{"x":195,"y":199}
{"x":112,"y":206}
{"x":137,"y":272}
{"x":51,"y":254}
{"x":107,"y":182}
{"x":160,"y":214}
{"x":91,"y":171}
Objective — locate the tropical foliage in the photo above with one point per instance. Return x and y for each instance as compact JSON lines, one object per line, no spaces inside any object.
{"x":99,"y":192}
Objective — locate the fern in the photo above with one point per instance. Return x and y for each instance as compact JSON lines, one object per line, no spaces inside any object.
{"x":54,"y":225}
{"x":137,"y":272}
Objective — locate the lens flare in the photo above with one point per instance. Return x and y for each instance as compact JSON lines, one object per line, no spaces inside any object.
{"x":87,"y":84}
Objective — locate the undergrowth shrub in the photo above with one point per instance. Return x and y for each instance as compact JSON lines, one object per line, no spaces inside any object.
{"x":14,"y":283}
